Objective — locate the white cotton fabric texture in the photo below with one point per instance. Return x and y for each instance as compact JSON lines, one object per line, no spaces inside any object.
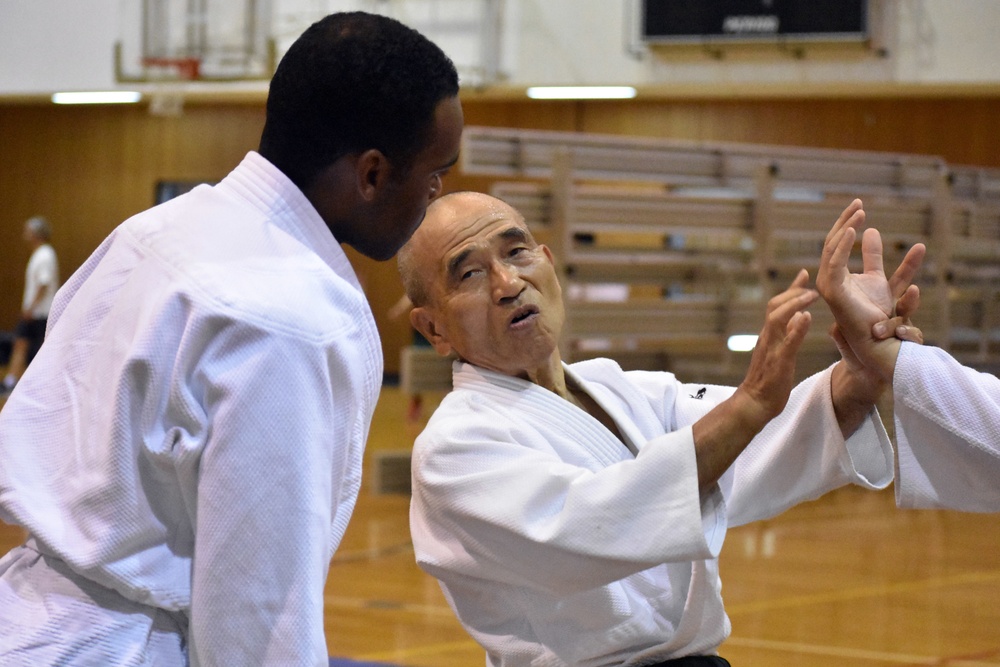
{"x":42,"y":271}
{"x":556,"y":547}
{"x":186,"y":448}
{"x":947,"y":419}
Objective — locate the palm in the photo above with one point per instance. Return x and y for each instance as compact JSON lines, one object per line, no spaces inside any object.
{"x":859,"y":300}
{"x":870,"y":295}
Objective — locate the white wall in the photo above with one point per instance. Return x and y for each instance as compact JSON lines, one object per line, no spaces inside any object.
{"x":48,"y":45}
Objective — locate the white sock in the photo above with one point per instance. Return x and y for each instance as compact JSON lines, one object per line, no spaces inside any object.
{"x":9,"y":381}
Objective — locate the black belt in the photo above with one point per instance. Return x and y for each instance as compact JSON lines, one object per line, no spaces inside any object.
{"x":694,"y":661}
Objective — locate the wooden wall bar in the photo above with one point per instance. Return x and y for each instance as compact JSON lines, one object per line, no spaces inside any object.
{"x":89,"y":168}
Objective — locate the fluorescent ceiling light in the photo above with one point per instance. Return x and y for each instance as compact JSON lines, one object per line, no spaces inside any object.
{"x":107,"y":97}
{"x":581,"y":92}
{"x":742,"y":342}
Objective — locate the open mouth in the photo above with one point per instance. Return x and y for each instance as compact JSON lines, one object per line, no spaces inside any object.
{"x":523,"y":313}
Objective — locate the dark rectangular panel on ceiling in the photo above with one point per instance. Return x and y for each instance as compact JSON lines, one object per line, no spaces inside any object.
{"x":754,"y":20}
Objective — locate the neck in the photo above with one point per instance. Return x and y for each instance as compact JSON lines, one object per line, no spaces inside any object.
{"x":551,"y":376}
{"x":331,"y":196}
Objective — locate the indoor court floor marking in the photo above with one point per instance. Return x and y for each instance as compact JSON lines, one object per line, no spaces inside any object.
{"x":370,"y":554}
{"x":343,"y":602}
{"x":861,"y":654}
{"x":865,"y":592}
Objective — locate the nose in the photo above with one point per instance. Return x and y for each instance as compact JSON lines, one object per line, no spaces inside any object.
{"x":507,"y":283}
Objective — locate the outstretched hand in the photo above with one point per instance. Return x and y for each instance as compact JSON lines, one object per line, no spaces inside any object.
{"x":859,"y":301}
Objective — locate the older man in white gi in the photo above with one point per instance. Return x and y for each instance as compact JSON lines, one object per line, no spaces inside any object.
{"x":574,"y":513}
{"x":947,"y":416}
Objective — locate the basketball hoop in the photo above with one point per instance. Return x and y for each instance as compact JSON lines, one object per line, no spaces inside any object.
{"x":185,"y":68}
{"x":194,"y":41}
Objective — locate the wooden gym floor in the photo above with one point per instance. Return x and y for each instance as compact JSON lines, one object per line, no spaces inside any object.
{"x":845,"y":580}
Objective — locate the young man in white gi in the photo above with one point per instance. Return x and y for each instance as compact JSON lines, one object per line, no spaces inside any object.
{"x":41,"y":280}
{"x":947,"y":416}
{"x":574,"y":513}
{"x":185,"y":451}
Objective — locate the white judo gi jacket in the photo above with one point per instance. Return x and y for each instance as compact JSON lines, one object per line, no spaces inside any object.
{"x":555,"y":546}
{"x":186,"y":448}
{"x":947,"y":419}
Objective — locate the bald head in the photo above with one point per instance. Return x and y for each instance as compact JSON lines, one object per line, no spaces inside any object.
{"x":483,"y":289}
{"x":449,"y":218}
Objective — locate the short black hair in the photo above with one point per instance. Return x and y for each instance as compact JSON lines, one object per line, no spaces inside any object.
{"x":351,"y":82}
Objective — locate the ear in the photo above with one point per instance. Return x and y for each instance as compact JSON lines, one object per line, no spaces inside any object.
{"x":422,"y":319}
{"x":552,"y":261}
{"x":372,"y":170}
{"x":548,"y":253}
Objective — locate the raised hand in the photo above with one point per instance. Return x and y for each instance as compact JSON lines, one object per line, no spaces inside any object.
{"x":771,"y":374}
{"x":860,"y":301}
{"x":722,"y":434}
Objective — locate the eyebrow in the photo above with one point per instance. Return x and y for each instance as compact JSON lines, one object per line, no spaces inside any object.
{"x":457,"y":260}
{"x":509,"y":234}
{"x":514,"y":234}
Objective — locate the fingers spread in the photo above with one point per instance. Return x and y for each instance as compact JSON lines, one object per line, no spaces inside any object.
{"x":909,"y":302}
{"x":796,"y":330}
{"x":853,"y":216}
{"x":791,"y":300}
{"x":836,"y":253}
{"x":801,"y":279}
{"x":871,"y":251}
{"x":907,"y":269}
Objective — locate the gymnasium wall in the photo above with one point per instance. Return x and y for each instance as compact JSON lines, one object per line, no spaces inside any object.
{"x":89,"y":168}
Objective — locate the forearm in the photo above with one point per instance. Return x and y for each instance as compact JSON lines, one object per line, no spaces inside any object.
{"x":723,"y":434}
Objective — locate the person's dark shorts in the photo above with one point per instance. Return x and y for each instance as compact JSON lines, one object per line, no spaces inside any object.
{"x":34,"y":331}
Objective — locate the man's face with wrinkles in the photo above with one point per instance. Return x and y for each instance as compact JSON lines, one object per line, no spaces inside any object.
{"x":494,"y":298}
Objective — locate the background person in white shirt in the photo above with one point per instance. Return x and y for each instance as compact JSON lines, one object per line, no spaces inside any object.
{"x":41,"y":280}
{"x":185,"y":450}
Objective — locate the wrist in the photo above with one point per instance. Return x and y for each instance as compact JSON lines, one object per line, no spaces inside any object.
{"x":859,"y":383}
{"x":748,"y":412}
{"x":854,"y":392}
{"x":892,"y":348}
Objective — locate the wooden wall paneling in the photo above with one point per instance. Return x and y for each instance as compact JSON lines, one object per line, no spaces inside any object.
{"x":524,"y":114}
{"x":90,"y":168}
{"x":960,"y":130}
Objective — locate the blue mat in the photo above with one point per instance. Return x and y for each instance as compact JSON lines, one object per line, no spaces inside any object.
{"x":344,"y":662}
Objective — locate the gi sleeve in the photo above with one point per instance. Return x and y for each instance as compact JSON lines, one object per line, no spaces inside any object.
{"x":801,"y":454}
{"x":272,"y":474}
{"x":947,"y":420}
